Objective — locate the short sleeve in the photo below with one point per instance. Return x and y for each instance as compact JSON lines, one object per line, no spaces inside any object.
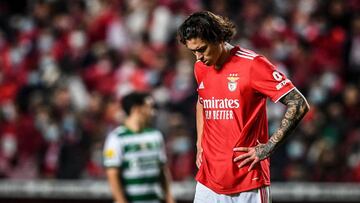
{"x":196,"y":73}
{"x":199,"y":73}
{"x":268,"y":81}
{"x":112,"y":153}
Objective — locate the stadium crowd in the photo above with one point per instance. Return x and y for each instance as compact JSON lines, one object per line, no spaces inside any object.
{"x":64,"y":66}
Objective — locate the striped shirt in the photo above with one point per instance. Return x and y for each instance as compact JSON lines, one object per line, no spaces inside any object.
{"x":139,"y":156}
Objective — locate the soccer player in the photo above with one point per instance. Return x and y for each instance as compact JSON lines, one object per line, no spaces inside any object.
{"x":134,"y":155}
{"x":233,"y":145}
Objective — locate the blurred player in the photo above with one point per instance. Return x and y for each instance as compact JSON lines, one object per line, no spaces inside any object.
{"x":134,"y":156}
{"x":232,"y":128}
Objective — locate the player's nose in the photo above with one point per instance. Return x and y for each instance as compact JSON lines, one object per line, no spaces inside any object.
{"x":199,"y":56}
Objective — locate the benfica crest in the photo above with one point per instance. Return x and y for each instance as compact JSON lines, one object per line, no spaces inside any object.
{"x":232,"y":82}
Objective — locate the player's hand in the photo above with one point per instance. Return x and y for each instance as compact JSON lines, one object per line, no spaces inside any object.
{"x":199,"y":157}
{"x":252,"y":155}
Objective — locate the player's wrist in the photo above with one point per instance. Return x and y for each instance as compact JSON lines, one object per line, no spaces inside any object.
{"x":263,"y":151}
{"x":270,"y":146}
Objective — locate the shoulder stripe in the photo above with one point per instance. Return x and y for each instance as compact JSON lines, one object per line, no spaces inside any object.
{"x":244,"y":56}
{"x":247,"y":54}
{"x":248,"y":51}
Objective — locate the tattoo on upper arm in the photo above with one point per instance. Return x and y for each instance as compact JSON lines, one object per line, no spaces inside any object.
{"x":296,"y":110}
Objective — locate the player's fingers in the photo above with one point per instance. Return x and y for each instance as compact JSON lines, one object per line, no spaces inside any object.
{"x":199,"y":156}
{"x":256,"y":160}
{"x":198,"y":159}
{"x":246,"y":161}
{"x":243,"y":156}
{"x":198,"y":164}
{"x":241,"y":149}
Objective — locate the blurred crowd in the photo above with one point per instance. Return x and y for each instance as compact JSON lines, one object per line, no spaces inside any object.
{"x":65,"y":65}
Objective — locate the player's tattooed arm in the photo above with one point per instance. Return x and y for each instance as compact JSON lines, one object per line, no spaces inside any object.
{"x":297,"y":107}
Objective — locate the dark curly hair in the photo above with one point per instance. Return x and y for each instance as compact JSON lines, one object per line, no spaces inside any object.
{"x":206,"y":26}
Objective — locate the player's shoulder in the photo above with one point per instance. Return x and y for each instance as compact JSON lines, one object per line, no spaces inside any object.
{"x":200,"y":65}
{"x":154,"y":133}
{"x":120,"y":131}
{"x":248,"y":56}
{"x":151,"y":130}
{"x":200,"y":69}
{"x":245,"y":55}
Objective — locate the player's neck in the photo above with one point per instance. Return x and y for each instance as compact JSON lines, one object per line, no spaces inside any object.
{"x":225,"y":53}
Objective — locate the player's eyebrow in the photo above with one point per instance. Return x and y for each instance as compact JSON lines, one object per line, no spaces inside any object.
{"x":200,"y":49}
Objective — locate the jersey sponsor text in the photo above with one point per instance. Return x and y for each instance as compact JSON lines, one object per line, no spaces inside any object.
{"x":226,"y":103}
{"x":219,"y":109}
{"x":219,"y":114}
{"x":282,"y":84}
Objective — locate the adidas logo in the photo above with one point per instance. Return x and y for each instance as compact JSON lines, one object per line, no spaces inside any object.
{"x":201,"y":86}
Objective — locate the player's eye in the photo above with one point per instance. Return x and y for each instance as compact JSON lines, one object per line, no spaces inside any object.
{"x":202,"y":49}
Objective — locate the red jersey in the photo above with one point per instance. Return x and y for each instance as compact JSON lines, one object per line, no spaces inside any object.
{"x":234,"y":103}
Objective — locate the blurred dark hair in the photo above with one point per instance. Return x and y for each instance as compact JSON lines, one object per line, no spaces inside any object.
{"x":206,"y":26}
{"x":132,"y":100}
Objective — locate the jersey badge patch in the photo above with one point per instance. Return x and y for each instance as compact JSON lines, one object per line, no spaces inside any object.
{"x":232,"y":81}
{"x":110,"y":153}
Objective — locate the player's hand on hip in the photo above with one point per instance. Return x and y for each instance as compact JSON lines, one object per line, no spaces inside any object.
{"x":252,"y":155}
{"x":199,"y":157}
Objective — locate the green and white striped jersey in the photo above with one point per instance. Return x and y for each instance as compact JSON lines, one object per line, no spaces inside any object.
{"x":139,"y":156}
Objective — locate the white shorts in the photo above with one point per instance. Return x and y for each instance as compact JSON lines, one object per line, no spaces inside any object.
{"x":206,"y":195}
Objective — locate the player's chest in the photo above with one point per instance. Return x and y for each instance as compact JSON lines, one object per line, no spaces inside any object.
{"x":224,"y":84}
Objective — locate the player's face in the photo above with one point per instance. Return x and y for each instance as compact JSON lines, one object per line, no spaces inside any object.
{"x":208,"y":53}
{"x":147,"y":110}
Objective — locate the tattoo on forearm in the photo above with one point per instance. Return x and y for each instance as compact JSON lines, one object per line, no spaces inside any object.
{"x":264,"y":150}
{"x":296,"y":110}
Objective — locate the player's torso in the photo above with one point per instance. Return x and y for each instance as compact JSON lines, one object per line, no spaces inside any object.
{"x":224,"y":93}
{"x":140,"y":152}
{"x":234,"y":115}
{"x":141,"y":165}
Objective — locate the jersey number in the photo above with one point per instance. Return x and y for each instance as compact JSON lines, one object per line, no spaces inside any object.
{"x":277,"y":76}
